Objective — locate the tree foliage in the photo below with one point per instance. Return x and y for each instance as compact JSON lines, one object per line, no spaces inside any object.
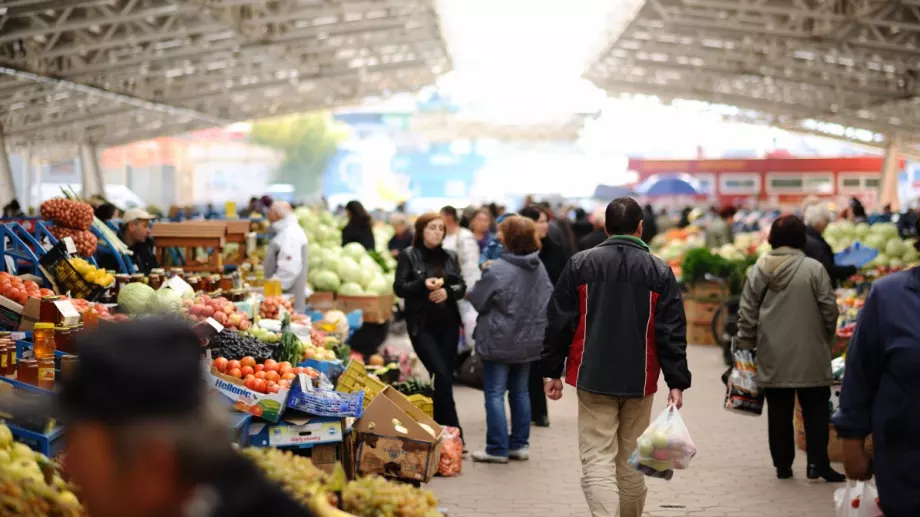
{"x":308,"y":141}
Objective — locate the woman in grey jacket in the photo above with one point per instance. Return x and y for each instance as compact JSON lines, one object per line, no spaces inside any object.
{"x":511,"y":301}
{"x":788,"y":314}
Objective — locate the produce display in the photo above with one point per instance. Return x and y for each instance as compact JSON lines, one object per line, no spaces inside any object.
{"x":350,"y":270}
{"x":91,"y":273}
{"x":893,"y":250}
{"x":67,"y":213}
{"x":365,"y":497}
{"x":271,"y":306}
{"x":233,"y":345}
{"x":20,"y":290}
{"x":268,"y":376}
{"x":30,"y":484}
{"x":83,"y":240}
{"x":221,"y":309}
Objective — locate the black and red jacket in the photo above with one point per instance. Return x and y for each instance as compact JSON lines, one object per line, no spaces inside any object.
{"x":616,"y":320}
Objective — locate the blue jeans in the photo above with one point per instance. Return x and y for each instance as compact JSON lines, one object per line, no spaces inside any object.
{"x":499,"y":378}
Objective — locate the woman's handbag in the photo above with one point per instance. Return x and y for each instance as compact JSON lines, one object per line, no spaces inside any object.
{"x":470,"y":372}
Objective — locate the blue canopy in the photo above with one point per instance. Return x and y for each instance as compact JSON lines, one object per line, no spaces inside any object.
{"x":667,"y":186}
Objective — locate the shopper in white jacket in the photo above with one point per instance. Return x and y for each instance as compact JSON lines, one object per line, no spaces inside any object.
{"x":462,"y":242}
{"x":286,"y":257}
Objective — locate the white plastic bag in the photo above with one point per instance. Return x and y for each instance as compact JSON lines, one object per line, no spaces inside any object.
{"x":664,"y":447}
{"x":742,"y":394}
{"x":857,"y":499}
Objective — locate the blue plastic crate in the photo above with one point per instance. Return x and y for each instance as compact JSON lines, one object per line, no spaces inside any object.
{"x":50,"y":444}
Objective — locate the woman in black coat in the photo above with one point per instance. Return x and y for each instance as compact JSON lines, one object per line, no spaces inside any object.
{"x":358,"y":228}
{"x":428,"y":278}
{"x":554,"y":256}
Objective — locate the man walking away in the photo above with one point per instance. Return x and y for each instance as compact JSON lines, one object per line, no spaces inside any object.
{"x":615,"y":321}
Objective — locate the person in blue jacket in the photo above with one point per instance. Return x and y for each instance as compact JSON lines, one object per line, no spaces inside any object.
{"x":881,"y":388}
{"x":494,"y":248}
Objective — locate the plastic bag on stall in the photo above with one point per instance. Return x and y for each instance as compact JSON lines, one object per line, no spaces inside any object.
{"x":857,"y":499}
{"x":451,"y":453}
{"x":664,"y":447}
{"x":742,"y":394}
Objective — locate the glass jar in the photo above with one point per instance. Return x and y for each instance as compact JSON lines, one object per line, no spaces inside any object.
{"x":138,"y":277}
{"x":121,"y":280}
{"x":27,"y":372}
{"x":63,"y":339}
{"x":48,"y":311}
{"x":4,"y":359}
{"x":46,"y":373}
{"x":156,"y":278}
{"x":194,"y":282}
{"x":177,"y":271}
{"x":68,"y":364}
{"x":11,"y":358}
{"x":213,"y":283}
{"x":43,"y":340}
{"x":226,"y":283}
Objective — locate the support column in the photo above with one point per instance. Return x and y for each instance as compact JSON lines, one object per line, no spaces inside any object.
{"x":888,"y":187}
{"x":25,"y":190}
{"x":93,"y":183}
{"x":7,"y":185}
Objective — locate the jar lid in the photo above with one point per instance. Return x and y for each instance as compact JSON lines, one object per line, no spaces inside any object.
{"x":61,"y":328}
{"x":43,"y":326}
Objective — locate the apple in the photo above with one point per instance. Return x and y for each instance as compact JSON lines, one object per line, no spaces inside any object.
{"x":644,"y":445}
{"x":234,"y":319}
{"x":207,"y":311}
{"x":660,"y":440}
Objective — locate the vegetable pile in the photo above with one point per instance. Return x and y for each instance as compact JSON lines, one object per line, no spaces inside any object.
{"x":272,"y":305}
{"x":71,"y":219}
{"x":221,"y":309}
{"x":893,"y":251}
{"x":15,"y":289}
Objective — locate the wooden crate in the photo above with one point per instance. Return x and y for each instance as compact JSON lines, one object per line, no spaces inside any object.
{"x":322,"y":301}
{"x":701,"y":311}
{"x":709,"y":291}
{"x":700,"y":334}
{"x":375,"y":309}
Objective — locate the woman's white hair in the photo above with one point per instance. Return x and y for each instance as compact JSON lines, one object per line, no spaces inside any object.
{"x":817,"y":214}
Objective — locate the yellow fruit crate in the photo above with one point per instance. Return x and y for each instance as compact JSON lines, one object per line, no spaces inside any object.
{"x":424,"y":403}
{"x":355,"y":378}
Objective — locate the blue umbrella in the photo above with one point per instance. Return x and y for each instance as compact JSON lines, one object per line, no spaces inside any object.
{"x":668,"y":186}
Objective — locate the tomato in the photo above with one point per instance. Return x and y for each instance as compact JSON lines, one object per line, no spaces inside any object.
{"x":235,"y":372}
{"x":250,"y":382}
{"x":273,"y":388}
{"x":248,"y":361}
{"x":234,"y":365}
{"x":271,"y":364}
{"x":286,"y":369}
{"x":283,"y":365}
{"x":258,"y":367}
{"x":286,"y":385}
{"x":312,"y":373}
{"x":259,"y":385}
{"x":221,"y":364}
{"x":30,"y":284}
{"x":290,"y":376}
{"x":260,"y":375}
{"x":272,"y":376}
{"x":256,"y":410}
{"x":247,"y":370}
{"x":46,"y":292}
{"x":298,"y":370}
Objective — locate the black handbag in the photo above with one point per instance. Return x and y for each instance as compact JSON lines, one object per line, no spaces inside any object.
{"x":470,"y":372}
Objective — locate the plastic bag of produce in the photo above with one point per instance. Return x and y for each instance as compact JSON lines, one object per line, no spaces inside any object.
{"x":451,"y":453}
{"x":742,"y":394}
{"x":857,"y":499}
{"x":664,"y":447}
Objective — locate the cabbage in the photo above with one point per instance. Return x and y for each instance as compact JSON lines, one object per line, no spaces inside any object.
{"x":349,"y":270}
{"x":881,"y":260}
{"x":886,"y":230}
{"x":368,"y":276}
{"x":875,"y":240}
{"x":367,"y":262}
{"x":135,"y":298}
{"x":355,"y":251}
{"x":895,"y":263}
{"x":861,"y":230}
{"x":379,"y":286}
{"x":833,"y":230}
{"x":314,"y":260}
{"x":326,"y":281}
{"x":895,"y":248}
{"x":351,"y":289}
{"x":166,"y":301}
{"x":910,"y":255}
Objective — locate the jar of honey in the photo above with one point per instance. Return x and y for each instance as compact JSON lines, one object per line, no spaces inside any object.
{"x":226,"y":283}
{"x":48,"y":311}
{"x":46,"y":373}
{"x":4,"y":359}
{"x":11,"y":357}
{"x":156,"y":278}
{"x":195,"y":283}
{"x":27,"y":372}
{"x":63,"y":340}
{"x":68,"y":364}
{"x":138,"y":277}
{"x":43,"y":340}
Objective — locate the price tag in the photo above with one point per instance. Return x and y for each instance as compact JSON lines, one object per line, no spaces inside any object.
{"x":215,"y":325}
{"x":178,"y":285}
{"x":70,"y":246}
{"x":68,"y":312}
{"x":17,"y":336}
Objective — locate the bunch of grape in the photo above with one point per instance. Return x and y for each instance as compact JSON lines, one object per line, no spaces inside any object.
{"x":374,"y":496}
{"x":296,"y":474}
{"x":237,"y":345}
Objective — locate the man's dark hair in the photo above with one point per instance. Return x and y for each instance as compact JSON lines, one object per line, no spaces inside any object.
{"x":788,"y":231}
{"x":106,"y":211}
{"x":451,"y":212}
{"x":623,"y":216}
{"x":532,"y":212}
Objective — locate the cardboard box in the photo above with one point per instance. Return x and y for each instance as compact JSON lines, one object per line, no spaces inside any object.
{"x":698,"y":334}
{"x":709,"y":291}
{"x":393,"y":439}
{"x":21,"y":317}
{"x":297,"y":430}
{"x":701,"y":311}
{"x":376,"y":309}
{"x":268,"y":406}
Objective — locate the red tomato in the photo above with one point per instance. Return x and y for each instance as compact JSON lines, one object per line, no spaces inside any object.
{"x":286,"y":385}
{"x":272,"y":376}
{"x":248,"y":361}
{"x":298,"y":370}
{"x":283,"y":365}
{"x":271,"y":364}
{"x":258,"y":367}
{"x":234,"y":365}
{"x":285,"y":369}
{"x":221,"y":364}
{"x":235,"y":372}
{"x":46,"y":292}
{"x":259,"y":385}
{"x":260,"y":375}
{"x":250,"y":382}
{"x":288,"y":376}
{"x":247,"y":370}
{"x":273,"y":388}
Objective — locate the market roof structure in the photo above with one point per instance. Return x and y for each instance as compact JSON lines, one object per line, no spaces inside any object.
{"x":115,"y":71}
{"x":843,"y":68}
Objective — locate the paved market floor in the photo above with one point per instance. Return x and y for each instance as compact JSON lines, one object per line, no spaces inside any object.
{"x":732,"y":474}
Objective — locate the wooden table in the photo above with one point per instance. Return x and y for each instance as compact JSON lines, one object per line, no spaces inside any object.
{"x":189,"y":235}
{"x":237,"y":231}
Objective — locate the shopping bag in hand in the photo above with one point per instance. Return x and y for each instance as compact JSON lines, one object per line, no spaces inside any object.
{"x":451,"y":463}
{"x":857,"y":499}
{"x":742,"y":394}
{"x":664,"y":447}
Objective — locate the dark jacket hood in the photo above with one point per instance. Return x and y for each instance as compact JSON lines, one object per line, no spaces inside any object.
{"x":529,"y":262}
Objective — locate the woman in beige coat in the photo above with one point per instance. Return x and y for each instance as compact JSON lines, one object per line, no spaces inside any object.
{"x":788,"y":315}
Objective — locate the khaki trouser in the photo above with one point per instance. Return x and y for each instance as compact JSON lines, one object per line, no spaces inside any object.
{"x":607,"y":431}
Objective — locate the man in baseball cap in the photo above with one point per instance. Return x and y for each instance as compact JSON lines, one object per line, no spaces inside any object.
{"x":143,"y":435}
{"x":135,"y":233}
